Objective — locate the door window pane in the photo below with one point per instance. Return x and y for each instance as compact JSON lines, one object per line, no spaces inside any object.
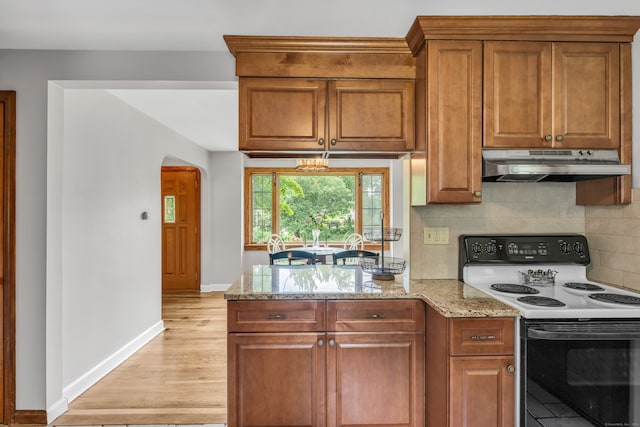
{"x":169,"y":209}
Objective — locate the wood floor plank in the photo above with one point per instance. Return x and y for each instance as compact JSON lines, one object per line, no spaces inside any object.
{"x":179,"y":377}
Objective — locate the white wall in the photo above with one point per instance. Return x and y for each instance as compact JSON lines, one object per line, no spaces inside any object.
{"x":28,"y":72}
{"x":111,"y":276}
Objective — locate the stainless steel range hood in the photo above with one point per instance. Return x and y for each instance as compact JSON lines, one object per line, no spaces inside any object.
{"x":550,"y":165}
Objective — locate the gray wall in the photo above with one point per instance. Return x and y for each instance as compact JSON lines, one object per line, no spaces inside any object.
{"x":28,"y":73}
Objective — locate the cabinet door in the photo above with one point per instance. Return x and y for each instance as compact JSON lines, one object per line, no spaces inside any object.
{"x":282,"y":114}
{"x":454,"y":122}
{"x":517,"y":94}
{"x":375,"y":379}
{"x":371,"y":115}
{"x":276,"y":379}
{"x":482,"y":391}
{"x":586,"y":95}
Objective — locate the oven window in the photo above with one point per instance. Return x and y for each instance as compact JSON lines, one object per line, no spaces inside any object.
{"x":586,"y":382}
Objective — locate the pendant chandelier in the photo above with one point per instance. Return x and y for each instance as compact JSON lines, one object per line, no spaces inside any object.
{"x":316,"y":164}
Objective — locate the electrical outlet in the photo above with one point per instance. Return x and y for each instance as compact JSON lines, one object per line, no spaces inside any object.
{"x":436,"y":235}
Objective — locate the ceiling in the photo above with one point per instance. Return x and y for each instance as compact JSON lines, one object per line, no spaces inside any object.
{"x":198,"y":25}
{"x":190,"y":25}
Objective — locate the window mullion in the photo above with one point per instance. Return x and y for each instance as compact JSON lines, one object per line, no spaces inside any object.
{"x":275,"y":202}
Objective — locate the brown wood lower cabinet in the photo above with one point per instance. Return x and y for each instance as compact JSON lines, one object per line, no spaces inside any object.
{"x":358,"y":371}
{"x":470,"y":377}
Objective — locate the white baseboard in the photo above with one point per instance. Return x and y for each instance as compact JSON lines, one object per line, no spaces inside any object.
{"x":79,"y":386}
{"x":214,"y":287}
{"x":57,"y":409}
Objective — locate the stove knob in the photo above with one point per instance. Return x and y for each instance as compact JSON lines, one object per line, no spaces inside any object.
{"x":564,"y":247}
{"x":476,"y":248}
{"x":578,"y":248}
{"x":491,"y":248}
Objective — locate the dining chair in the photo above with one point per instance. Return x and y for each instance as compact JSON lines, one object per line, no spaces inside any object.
{"x":275,"y":244}
{"x":354,"y":241}
{"x":353,"y":257}
{"x":292,"y":257}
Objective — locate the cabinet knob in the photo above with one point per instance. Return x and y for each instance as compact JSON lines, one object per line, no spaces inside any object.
{"x":559,"y":138}
{"x":332,"y":342}
{"x":320,"y":343}
{"x":511,"y":369}
{"x":321,"y":141}
{"x":477,"y":193}
{"x":548,"y":138}
{"x":333,"y":141}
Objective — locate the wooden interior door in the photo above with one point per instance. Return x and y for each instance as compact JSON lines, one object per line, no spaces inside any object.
{"x":180,"y":229}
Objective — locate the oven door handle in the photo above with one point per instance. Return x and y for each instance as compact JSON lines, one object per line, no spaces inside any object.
{"x":587,"y":331}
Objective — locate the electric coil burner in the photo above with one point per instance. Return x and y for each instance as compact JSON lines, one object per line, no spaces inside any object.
{"x":541,"y":301}
{"x":512,"y":288}
{"x":579,"y":286}
{"x":616,"y":298}
{"x":578,"y":341}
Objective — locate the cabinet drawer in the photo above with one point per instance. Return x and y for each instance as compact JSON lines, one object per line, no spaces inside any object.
{"x":275,"y":316}
{"x":481,"y":336}
{"x":379,"y":315}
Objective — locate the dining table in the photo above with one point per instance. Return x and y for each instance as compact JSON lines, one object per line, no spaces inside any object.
{"x":322,"y":253}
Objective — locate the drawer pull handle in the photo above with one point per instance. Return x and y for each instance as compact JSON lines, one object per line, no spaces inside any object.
{"x":483,"y":337}
{"x":276,"y":316}
{"x":375,"y":316}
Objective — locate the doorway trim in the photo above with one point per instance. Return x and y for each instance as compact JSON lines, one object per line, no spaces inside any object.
{"x":8,"y":98}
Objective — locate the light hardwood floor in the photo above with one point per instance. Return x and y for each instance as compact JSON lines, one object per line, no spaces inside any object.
{"x":179,"y":377}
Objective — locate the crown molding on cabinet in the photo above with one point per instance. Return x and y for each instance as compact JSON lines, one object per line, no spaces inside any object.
{"x":321,"y":57}
{"x":618,"y":29}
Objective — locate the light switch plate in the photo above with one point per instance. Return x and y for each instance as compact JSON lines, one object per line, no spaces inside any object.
{"x":436,"y":235}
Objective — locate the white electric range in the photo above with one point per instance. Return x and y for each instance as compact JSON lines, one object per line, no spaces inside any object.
{"x":543,"y":276}
{"x":578,"y":341}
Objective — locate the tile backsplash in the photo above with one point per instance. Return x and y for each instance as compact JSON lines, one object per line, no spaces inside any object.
{"x":613,"y":233}
{"x":506,"y":208}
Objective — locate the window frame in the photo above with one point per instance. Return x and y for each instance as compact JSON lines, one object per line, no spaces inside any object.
{"x":275,"y":222}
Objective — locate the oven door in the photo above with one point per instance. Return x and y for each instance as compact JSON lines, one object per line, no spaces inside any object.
{"x":580,"y":372}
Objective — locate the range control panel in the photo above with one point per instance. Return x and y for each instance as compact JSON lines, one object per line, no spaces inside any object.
{"x":529,"y":249}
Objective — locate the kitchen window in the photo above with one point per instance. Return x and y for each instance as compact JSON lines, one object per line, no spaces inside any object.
{"x":291,"y":203}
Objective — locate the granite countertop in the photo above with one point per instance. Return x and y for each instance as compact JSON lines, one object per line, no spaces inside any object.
{"x":449,"y":297}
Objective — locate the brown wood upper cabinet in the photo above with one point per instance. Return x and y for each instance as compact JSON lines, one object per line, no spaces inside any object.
{"x":552,"y":95}
{"x":546,"y":82}
{"x":314,"y":94}
{"x":447,"y":165}
{"x":282,"y":114}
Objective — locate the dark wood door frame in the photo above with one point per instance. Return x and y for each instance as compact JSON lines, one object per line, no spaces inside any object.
{"x":8,"y":164}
